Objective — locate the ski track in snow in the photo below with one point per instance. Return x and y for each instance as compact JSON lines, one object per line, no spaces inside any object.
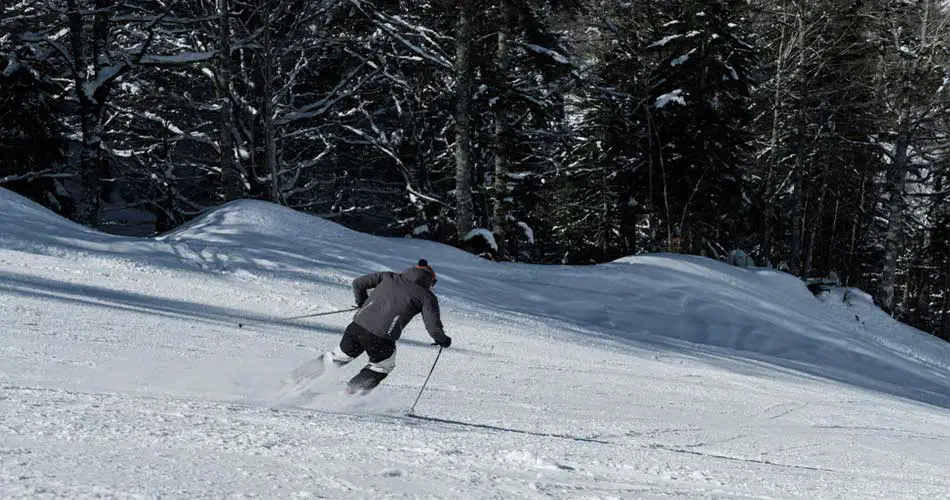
{"x":123,"y":375}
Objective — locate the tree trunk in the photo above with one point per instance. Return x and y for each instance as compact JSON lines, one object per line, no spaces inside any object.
{"x":605,"y":219}
{"x":229,"y":181}
{"x":797,"y":200}
{"x":100,"y":54}
{"x":775,"y":162}
{"x":945,"y":307}
{"x":858,"y":221}
{"x":897,"y":174}
{"x":464,"y":73}
{"x":816,"y":223}
{"x":502,"y":130}
{"x":798,"y":186}
{"x":87,"y":206}
{"x":270,"y":146}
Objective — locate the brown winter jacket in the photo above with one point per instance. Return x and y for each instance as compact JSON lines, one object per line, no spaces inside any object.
{"x":396,"y":299}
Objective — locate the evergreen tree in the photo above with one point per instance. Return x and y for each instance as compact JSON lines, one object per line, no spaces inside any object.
{"x":598,"y":206}
{"x":31,"y":142}
{"x":911,"y":88}
{"x":698,"y":122}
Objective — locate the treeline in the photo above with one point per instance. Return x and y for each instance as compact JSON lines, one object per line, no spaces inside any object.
{"x":810,"y":134}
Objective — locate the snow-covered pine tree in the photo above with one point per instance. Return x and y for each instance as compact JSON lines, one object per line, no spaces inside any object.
{"x":527,"y":81}
{"x":31,"y":143}
{"x":937,"y":252}
{"x":911,"y":87}
{"x":595,"y":204}
{"x":417,"y":45}
{"x":813,"y":178}
{"x":698,"y":117}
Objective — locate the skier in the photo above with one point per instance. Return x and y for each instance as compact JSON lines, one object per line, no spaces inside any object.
{"x":382,"y":315}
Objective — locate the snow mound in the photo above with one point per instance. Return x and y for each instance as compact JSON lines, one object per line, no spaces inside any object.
{"x":23,"y":216}
{"x":248,"y":219}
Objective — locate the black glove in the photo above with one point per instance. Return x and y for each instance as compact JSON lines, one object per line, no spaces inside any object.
{"x":444,"y":343}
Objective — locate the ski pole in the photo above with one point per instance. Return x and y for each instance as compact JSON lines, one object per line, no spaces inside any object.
{"x":412,"y":410}
{"x":241,"y":325}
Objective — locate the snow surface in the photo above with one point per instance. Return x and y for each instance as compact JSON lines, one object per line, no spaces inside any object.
{"x":485,"y":234}
{"x":664,"y":41}
{"x":557,"y":56}
{"x":675,"y":96}
{"x":183,"y":58}
{"x":528,"y":232}
{"x":123,"y":374}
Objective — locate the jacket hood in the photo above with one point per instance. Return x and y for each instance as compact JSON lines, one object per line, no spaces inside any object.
{"x":419,"y":276}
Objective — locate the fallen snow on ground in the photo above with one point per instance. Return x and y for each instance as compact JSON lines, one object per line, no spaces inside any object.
{"x":123,"y":374}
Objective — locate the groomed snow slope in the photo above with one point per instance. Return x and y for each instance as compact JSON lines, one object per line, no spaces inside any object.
{"x":123,"y":374}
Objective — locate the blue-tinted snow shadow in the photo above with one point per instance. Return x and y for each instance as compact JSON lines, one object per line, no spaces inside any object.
{"x":239,"y":247}
{"x":100,"y":297}
{"x":719,"y":326}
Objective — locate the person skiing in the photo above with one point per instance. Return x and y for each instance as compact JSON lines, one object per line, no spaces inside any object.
{"x":396,"y":298}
